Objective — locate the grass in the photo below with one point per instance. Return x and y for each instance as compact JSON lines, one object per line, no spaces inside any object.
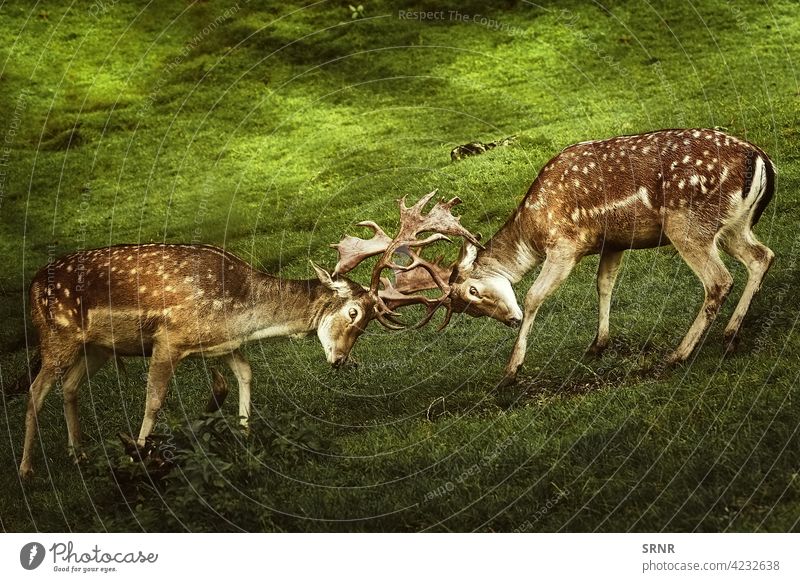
{"x":271,"y":131}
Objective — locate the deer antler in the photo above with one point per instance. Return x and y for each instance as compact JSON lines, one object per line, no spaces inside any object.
{"x":440,"y":222}
{"x":352,"y":250}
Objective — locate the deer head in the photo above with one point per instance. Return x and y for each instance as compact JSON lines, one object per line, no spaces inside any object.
{"x":345,"y":317}
{"x":482,"y":292}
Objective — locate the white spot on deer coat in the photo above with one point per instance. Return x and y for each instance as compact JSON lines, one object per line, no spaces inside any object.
{"x":644,"y":196}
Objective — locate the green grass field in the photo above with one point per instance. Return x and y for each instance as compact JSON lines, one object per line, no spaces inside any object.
{"x":271,"y":130}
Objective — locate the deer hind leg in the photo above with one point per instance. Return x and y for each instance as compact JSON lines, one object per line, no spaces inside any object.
{"x":757,"y":258}
{"x":555,"y":269}
{"x":704,"y":260}
{"x":219,"y":391}
{"x":244,"y":377}
{"x":162,"y":367}
{"x":610,"y":262}
{"x":92,"y":361}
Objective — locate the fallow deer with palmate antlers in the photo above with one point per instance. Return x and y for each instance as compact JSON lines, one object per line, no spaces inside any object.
{"x":172,"y":301}
{"x":695,"y":189}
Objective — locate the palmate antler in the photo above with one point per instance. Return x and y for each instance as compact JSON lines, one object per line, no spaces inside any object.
{"x":440,"y":222}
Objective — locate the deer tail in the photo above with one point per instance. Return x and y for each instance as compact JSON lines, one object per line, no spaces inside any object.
{"x":769,"y":191}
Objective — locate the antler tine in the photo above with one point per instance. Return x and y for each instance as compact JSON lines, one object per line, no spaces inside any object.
{"x":430,"y":240}
{"x":419,"y":206}
{"x":387,"y":321}
{"x":383,"y":313}
{"x":448,"y":314}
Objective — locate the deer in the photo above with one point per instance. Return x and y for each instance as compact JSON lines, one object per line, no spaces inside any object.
{"x":695,"y":189}
{"x":168,"y":302}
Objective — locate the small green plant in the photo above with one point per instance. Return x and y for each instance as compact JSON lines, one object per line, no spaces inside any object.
{"x":213,"y":466}
{"x":356,"y":11}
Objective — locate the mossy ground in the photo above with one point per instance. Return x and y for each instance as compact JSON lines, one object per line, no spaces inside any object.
{"x":271,"y":129}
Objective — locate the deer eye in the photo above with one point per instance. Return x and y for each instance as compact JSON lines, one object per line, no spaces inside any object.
{"x":474,"y":292}
{"x":353,"y":313}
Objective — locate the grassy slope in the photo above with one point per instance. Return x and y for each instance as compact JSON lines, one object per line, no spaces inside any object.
{"x":273,"y":132}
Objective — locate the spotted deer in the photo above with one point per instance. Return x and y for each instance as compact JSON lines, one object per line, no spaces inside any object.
{"x":696,"y":189}
{"x":171,"y":301}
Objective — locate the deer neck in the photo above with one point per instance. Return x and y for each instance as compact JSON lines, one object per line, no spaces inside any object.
{"x":286,"y":306}
{"x":508,"y":253}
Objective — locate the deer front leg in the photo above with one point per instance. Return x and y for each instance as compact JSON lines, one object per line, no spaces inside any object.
{"x":610,"y":262}
{"x":554,"y":271}
{"x":162,"y":367}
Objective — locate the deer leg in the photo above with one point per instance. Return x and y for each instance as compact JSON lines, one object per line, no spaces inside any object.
{"x":219,"y":391}
{"x":244,"y":376}
{"x":162,"y":367}
{"x":93,"y":360}
{"x":757,"y":258}
{"x":39,"y":388}
{"x":555,"y":270}
{"x":610,"y":262}
{"x":704,"y":260}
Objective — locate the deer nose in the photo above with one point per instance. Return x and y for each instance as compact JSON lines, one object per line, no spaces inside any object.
{"x":514,"y":322}
{"x":338,"y":361}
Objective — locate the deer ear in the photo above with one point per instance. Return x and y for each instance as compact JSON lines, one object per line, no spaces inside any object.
{"x":341,"y":288}
{"x":467,"y":256}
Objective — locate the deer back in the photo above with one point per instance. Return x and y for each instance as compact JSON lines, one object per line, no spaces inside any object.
{"x":620,"y":192}
{"x":122,"y":296}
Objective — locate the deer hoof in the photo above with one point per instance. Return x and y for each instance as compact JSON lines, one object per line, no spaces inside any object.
{"x":596,"y":349}
{"x":78,"y":457}
{"x":674,"y":359}
{"x":26,"y":473}
{"x":507,"y":381}
{"x":730,"y":343}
